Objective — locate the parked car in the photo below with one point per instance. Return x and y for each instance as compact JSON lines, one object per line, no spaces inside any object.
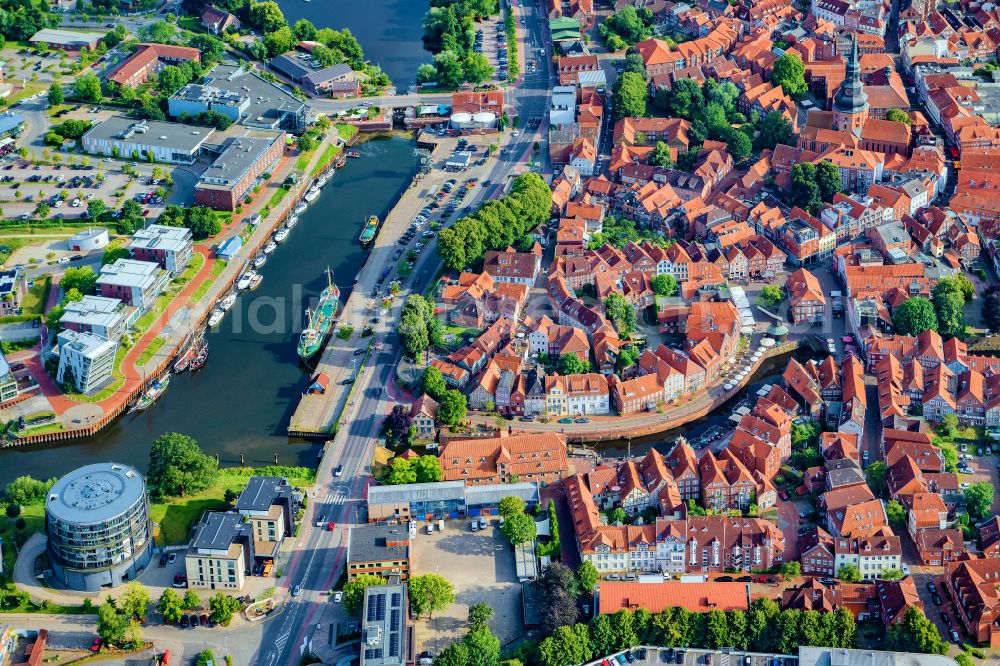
{"x":338,"y":596}
{"x":338,"y":470}
{"x":954,"y":635}
{"x":566,"y":420}
{"x":184,"y":621}
{"x":296,"y":589}
{"x":163,"y":560}
{"x":172,"y":558}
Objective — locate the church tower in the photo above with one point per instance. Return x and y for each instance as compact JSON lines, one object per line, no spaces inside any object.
{"x":850,"y":103}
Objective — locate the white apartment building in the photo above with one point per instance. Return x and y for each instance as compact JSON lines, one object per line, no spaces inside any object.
{"x":86,"y":360}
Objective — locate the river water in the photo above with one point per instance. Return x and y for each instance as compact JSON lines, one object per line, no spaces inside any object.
{"x":241,"y":401}
{"x":389,"y":30}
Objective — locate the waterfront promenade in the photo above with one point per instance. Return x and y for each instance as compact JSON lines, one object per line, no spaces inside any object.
{"x":185,"y":312}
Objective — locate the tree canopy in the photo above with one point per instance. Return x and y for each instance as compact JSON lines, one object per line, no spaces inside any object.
{"x":178,"y":467}
{"x":429,"y":593}
{"x":789,"y":73}
{"x":914,"y":316}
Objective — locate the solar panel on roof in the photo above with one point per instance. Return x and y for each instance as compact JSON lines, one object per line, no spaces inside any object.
{"x":394,"y":644}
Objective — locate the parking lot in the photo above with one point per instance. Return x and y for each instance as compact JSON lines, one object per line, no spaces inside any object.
{"x":481,"y":567}
{"x":491,"y":40}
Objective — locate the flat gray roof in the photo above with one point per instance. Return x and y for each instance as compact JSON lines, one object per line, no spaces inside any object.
{"x":238,"y":155}
{"x":260,"y":493}
{"x":155,"y":133}
{"x":290,"y":66}
{"x":267,"y":102}
{"x":416,"y":492}
{"x":161,"y":237}
{"x":367,"y":543}
{"x":95,"y":493}
{"x":817,"y":656}
{"x":129,"y":272}
{"x":217,"y":531}
{"x":320,"y":75}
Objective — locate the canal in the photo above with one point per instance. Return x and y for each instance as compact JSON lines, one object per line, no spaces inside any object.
{"x":240,"y":402}
{"x":389,"y":31}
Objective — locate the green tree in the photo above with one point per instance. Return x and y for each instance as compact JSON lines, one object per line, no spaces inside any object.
{"x":279,"y":41}
{"x":849,"y":574}
{"x":397,"y":428}
{"x":482,"y":646}
{"x":623,"y":630}
{"x":477,"y":69}
{"x":617,"y":516}
{"x":267,"y":16}
{"x":26,"y":491}
{"x":716,"y":629}
{"x":56,"y":94}
{"x":354,"y":592}
{"x":789,"y":73}
{"x":891,"y":574}
{"x":449,"y":70}
{"x":914,"y":316}
{"x":87,"y":89}
{"x":899,"y":116}
{"x":429,"y":593}
{"x":305,"y":30}
{"x":571,"y":364}
{"x":177,"y":466}
{"x":661,"y":156}
{"x":805,"y":191}
{"x":949,"y":303}
{"x":621,"y":313}
{"x":427,"y":469}
{"x":400,"y":472}
{"x":83,"y":279}
{"x":519,"y":528}
{"x":134,"y":601}
{"x":665,"y":284}
{"x":774,"y":128}
{"x":452,"y":409}
{"x":111,"y":625}
{"x":169,"y":606}
{"x":915,"y":634}
{"x":828,"y":180}
{"x":896,"y":513}
{"x":95,"y":209}
{"x":601,"y":637}
{"x":114,"y":251}
{"x":479,"y":615}
{"x":771,"y":295}
{"x":566,"y":646}
{"x":586,"y":576}
{"x":790,"y":570}
{"x":738,"y":144}
{"x":979,"y":499}
{"x":13,"y":510}
{"x":876,"y":474}
{"x":191,"y":600}
{"x":628,"y":99}
{"x":432,"y":383}
{"x":510,"y":505}
{"x":222,"y":608}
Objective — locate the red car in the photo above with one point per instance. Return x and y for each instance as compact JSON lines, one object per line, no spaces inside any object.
{"x":96,"y":646}
{"x":330,"y":526}
{"x":783,"y":495}
{"x":145,"y":213}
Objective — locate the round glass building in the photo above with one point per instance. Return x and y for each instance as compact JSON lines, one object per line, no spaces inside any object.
{"x":97,"y":519}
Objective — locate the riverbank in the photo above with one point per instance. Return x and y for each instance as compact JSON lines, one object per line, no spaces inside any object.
{"x":185,"y":311}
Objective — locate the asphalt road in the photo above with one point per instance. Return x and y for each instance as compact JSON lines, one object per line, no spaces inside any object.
{"x":319,"y":556}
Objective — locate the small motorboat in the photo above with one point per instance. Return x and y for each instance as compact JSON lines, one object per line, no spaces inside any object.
{"x":292,"y":221}
{"x":227,"y":302}
{"x":244,"y":282}
{"x":215,"y":317}
{"x":301,"y":207}
{"x":281,"y":234}
{"x":311,"y":195}
{"x":270,"y":247}
{"x":184,"y":361}
{"x":255,"y":281}
{"x":321,"y":182}
{"x":259,"y":260}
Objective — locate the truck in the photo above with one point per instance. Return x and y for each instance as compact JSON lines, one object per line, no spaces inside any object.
{"x":268,"y":565}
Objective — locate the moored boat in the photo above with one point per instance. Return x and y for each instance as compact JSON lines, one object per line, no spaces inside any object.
{"x":184,"y":360}
{"x":270,"y":247}
{"x":155,"y":390}
{"x":311,"y":195}
{"x":320,"y":321}
{"x":370,"y":230}
{"x":215,"y":317}
{"x":292,"y":221}
{"x":259,"y":260}
{"x":255,"y":281}
{"x":281,"y":234}
{"x":227,"y":302}
{"x":301,"y":207}
{"x":321,"y":182}
{"x":199,"y":359}
{"x":353,"y":153}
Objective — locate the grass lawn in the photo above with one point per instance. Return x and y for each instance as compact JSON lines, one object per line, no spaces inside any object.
{"x":146,"y":320}
{"x":218,"y":267}
{"x":10,"y":246}
{"x":202,"y":289}
{"x":303,"y":161}
{"x":197,"y":261}
{"x":346,"y":131}
{"x":116,"y":383}
{"x":34,"y":301}
{"x":29,"y":90}
{"x":150,"y":351}
{"x":276,"y":198}
{"x":324,"y":161}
